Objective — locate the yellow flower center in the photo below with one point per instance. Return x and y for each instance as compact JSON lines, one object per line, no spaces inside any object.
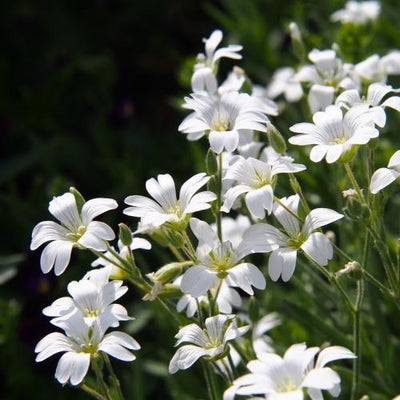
{"x":220,"y":126}
{"x":338,"y":141}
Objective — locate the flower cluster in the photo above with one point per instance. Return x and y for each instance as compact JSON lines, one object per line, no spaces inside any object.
{"x":210,"y":285}
{"x":85,"y":318}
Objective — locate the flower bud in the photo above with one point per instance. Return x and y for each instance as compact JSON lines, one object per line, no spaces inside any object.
{"x":348,"y":154}
{"x":169,"y":272}
{"x":125,"y":234}
{"x":297,"y":41}
{"x":276,"y":140}
{"x":213,"y":185}
{"x":211,"y":163}
{"x":79,"y":199}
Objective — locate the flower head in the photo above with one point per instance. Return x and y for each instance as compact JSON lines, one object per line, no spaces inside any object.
{"x":357,"y":12}
{"x":203,"y":78}
{"x":287,"y":377}
{"x":316,"y":245}
{"x":256,"y":179}
{"x":166,"y":208}
{"x":282,"y":82}
{"x":335,"y":134}
{"x":81,"y":342}
{"x":92,"y":296}
{"x":220,"y":260}
{"x":210,"y":343}
{"x":77,"y":228}
{"x":223,"y":119}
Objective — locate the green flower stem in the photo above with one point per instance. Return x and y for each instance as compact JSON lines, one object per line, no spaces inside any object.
{"x":219,"y":198}
{"x":386,"y":260}
{"x":100,"y":380}
{"x":109,"y":260}
{"x":297,"y":188}
{"x":357,"y":323}
{"x":379,"y":243}
{"x":113,"y":376}
{"x":199,"y":313}
{"x":91,"y":391}
{"x":332,"y":278}
{"x":189,"y":245}
{"x":176,"y":253}
{"x":212,"y":392}
{"x":291,"y":212}
{"x":232,"y":366}
{"x":354,"y":183}
{"x":228,"y":369}
{"x":365,"y":273}
{"x":245,"y":357}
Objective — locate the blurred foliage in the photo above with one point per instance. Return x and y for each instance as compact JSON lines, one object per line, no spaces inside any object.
{"x":89,"y":96}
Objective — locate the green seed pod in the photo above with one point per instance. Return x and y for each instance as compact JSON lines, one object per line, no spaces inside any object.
{"x":79,"y":199}
{"x":275,"y":139}
{"x":125,"y":234}
{"x":213,"y":185}
{"x":211,"y":163}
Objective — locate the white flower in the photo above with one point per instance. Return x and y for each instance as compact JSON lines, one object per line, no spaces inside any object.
{"x":77,"y":229}
{"x":376,"y":92}
{"x":203,"y":79}
{"x":209,"y":343}
{"x":282,"y":82}
{"x":81,"y":342}
{"x":316,"y":245}
{"x":286,"y":378}
{"x":376,"y":68}
{"x":92,"y":296}
{"x":218,"y":261}
{"x":223,"y":119}
{"x":257,"y":179}
{"x":334,"y":134}
{"x":261,"y":342}
{"x":327,"y":73}
{"x":385,"y":176}
{"x":226,"y":300}
{"x":357,"y":12}
{"x":166,"y":207}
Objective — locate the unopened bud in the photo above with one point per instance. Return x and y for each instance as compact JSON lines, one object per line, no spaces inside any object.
{"x":213,"y":185}
{"x":118,"y":274}
{"x":211,"y":163}
{"x":254,"y":310}
{"x":125,"y":234}
{"x":276,"y":140}
{"x":79,"y":199}
{"x":297,"y":41}
{"x":348,"y":154}
{"x":169,"y":272}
